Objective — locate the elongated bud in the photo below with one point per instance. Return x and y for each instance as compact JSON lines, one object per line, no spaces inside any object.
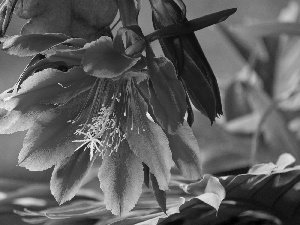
{"x":187,"y":56}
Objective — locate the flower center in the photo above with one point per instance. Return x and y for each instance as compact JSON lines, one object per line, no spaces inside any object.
{"x":102,"y":131}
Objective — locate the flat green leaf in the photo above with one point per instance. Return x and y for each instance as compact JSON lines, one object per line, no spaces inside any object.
{"x":51,"y":137}
{"x":102,"y":60}
{"x":208,"y":190}
{"x":271,"y":198}
{"x":121,"y":179}
{"x":186,"y":152}
{"x":265,"y":168}
{"x":147,"y":140}
{"x":275,"y":193}
{"x":31,"y":44}
{"x":169,"y":92}
{"x":285,"y":160}
{"x":68,"y":175}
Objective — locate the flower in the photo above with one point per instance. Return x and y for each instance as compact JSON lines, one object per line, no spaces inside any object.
{"x":83,"y":100}
{"x":90,"y":96}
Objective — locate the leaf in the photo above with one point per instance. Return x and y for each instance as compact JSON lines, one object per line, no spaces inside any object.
{"x":37,"y":191}
{"x":186,"y":152}
{"x":121,"y":179}
{"x":51,"y":137}
{"x":279,"y":138}
{"x":159,"y":194}
{"x":244,"y":124}
{"x":271,"y":198}
{"x":287,"y":75}
{"x":270,"y":29}
{"x":285,"y":160}
{"x":263,"y":55}
{"x":68,"y":175}
{"x":220,"y":150}
{"x":237,"y":42}
{"x":101,"y":60}
{"x":209,"y":190}
{"x":147,"y":140}
{"x":272,"y":192}
{"x":169,"y":92}
{"x":235,"y":102}
{"x":31,"y":44}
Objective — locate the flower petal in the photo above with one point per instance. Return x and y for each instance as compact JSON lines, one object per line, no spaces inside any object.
{"x":68,"y":175}
{"x":102,"y":60}
{"x":50,"y":139}
{"x":168,"y":98}
{"x":159,"y":194}
{"x":121,"y":179}
{"x":42,"y":86}
{"x":13,"y":121}
{"x":148,"y":141}
{"x":31,"y":44}
{"x":186,"y":152}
